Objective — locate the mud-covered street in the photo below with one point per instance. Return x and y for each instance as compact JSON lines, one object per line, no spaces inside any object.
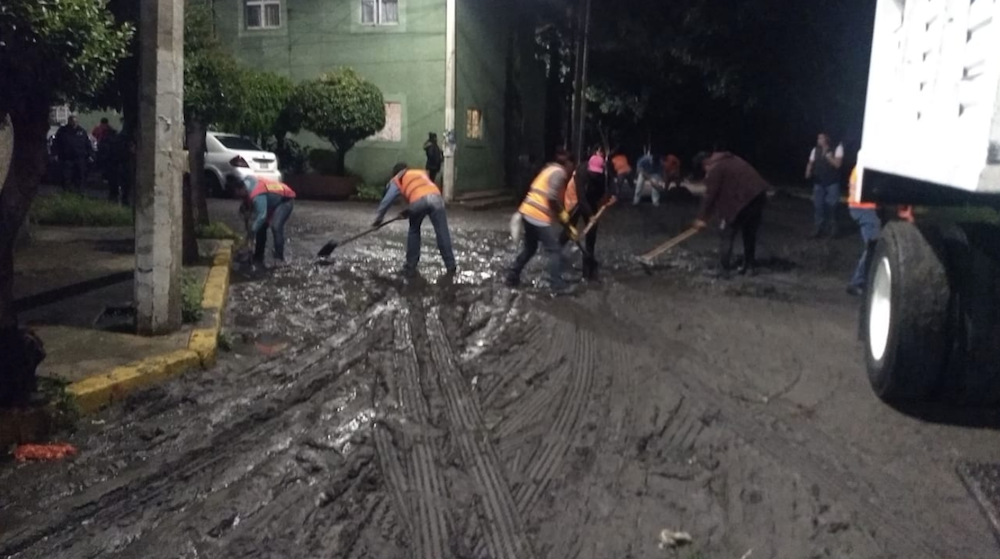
{"x":361,"y":415}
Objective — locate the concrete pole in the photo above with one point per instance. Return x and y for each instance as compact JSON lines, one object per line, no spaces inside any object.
{"x":159,"y":167}
{"x":450,"y":134}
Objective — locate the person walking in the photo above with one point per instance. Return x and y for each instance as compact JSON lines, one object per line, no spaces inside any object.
{"x":865,"y":214}
{"x":270,"y":204}
{"x":736,"y":194}
{"x":100,"y":130}
{"x":424,"y":198}
{"x":541,"y":207}
{"x":824,"y":171}
{"x":111,"y":159}
{"x":435,"y":157}
{"x":74,"y":150}
{"x":649,"y":172}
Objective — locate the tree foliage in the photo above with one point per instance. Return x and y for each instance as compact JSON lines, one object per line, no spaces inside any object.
{"x":57,"y":50}
{"x":265,"y":97}
{"x":341,"y":107}
{"x":212,"y":78}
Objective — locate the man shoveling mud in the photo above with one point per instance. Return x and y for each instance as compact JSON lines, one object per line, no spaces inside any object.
{"x":425,"y":200}
{"x":736,"y":194}
{"x":540,"y":208}
{"x":270,"y":204}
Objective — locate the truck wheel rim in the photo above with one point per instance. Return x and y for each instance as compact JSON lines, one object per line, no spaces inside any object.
{"x":880,"y":310}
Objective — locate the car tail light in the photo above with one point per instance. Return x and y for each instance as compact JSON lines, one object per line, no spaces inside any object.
{"x":238,"y":161}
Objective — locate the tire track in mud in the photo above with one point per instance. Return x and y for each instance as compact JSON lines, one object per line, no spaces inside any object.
{"x":422,"y":480}
{"x":504,"y":533}
{"x":568,"y":394}
{"x":813,"y":454}
{"x":122,"y":511}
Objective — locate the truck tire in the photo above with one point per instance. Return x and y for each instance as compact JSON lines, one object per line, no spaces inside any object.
{"x":907,"y":314}
{"x":974,"y":265}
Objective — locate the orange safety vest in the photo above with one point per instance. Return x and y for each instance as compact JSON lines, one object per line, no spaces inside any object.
{"x":414,"y":184}
{"x":536,"y":203}
{"x":621,"y":165}
{"x":854,"y":197}
{"x":271,"y":187}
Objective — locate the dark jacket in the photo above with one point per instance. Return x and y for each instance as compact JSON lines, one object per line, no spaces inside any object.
{"x":73,"y":144}
{"x":731,"y":184}
{"x":434,"y":155}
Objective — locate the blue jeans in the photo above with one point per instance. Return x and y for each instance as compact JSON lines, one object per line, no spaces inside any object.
{"x":277,"y":226}
{"x":825,"y":200}
{"x":870,"y":224}
{"x":549,"y":239}
{"x":640,"y":184}
{"x":429,"y":206}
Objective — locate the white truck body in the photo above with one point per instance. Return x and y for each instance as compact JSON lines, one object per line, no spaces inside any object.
{"x":933,"y":107}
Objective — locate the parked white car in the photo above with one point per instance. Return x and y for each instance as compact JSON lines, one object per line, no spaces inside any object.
{"x":231,"y":154}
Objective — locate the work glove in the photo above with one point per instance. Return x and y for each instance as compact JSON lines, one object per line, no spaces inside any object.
{"x":564,"y":217}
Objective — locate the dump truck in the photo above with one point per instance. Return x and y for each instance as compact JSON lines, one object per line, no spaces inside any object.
{"x":931,"y":140}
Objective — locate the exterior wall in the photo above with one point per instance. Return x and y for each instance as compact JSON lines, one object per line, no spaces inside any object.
{"x":481,"y":60}
{"x":405,"y":61}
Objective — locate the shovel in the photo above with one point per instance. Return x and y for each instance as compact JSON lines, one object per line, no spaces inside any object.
{"x":646,"y":260}
{"x":331,"y":246}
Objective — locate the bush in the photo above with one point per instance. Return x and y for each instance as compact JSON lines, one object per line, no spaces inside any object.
{"x":293,"y":158}
{"x":65,"y":411}
{"x":191,"y":292}
{"x":341,"y":107}
{"x":216,"y":230}
{"x":371,"y":192}
{"x":74,"y":209}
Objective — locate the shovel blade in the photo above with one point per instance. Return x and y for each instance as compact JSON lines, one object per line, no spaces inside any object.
{"x":327,"y":249}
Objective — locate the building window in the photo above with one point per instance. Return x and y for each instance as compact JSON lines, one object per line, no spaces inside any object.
{"x":263,"y":14}
{"x":393,"y":129}
{"x":380,"y":12}
{"x":474,"y":124}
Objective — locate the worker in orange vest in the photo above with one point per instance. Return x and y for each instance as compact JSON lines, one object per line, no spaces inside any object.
{"x":425,"y":200}
{"x":865,"y":214}
{"x":541,"y":209}
{"x":270,"y":204}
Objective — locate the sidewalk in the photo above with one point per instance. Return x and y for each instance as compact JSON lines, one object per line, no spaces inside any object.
{"x":74,"y":287}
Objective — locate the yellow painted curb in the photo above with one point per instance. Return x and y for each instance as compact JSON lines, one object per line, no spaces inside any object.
{"x":95,"y":392}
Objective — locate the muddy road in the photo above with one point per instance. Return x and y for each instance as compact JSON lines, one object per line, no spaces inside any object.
{"x":359,"y":415}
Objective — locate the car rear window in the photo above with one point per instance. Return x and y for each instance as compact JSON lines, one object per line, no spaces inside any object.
{"x":238,"y":143}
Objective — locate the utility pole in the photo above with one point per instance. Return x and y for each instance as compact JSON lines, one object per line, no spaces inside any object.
{"x":582,"y":114}
{"x":450,"y":136}
{"x":159,"y":167}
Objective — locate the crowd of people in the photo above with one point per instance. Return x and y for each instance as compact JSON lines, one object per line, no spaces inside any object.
{"x":104,"y":149}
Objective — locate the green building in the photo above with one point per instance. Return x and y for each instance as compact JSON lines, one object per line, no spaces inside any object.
{"x":496,"y":87}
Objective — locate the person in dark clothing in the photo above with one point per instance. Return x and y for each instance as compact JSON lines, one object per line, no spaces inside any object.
{"x":74,"y":150}
{"x":111,"y":160}
{"x":435,"y":157}
{"x":736,"y":194}
{"x":824,"y":171}
{"x":584,"y":195}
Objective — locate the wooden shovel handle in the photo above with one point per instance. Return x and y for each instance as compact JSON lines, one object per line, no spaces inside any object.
{"x":670,"y":244}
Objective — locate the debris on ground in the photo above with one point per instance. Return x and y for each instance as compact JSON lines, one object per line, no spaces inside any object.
{"x":44,"y":452}
{"x":672,"y":540}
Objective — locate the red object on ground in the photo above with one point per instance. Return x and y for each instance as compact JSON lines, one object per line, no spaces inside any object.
{"x":46,"y":452}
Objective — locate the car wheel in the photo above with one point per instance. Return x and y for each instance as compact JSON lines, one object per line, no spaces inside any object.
{"x":907,"y":314}
{"x":214,"y":186}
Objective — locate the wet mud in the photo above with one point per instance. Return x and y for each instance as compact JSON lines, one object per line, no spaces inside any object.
{"x":363,"y":415}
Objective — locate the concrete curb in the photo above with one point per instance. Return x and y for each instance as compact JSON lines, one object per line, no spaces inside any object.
{"x":95,"y":392}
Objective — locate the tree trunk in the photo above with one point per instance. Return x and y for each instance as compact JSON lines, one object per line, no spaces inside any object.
{"x":342,"y":160}
{"x":196,"y":134}
{"x":189,"y":248}
{"x":30,"y":123}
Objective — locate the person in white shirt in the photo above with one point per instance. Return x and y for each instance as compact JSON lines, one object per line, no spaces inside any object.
{"x":824,"y":170}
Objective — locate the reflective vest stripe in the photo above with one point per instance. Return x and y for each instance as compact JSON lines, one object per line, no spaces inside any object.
{"x":265,"y":186}
{"x":854,"y":197}
{"x":536,"y":203}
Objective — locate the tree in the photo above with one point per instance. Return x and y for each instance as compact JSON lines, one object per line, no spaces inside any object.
{"x":213,"y":94}
{"x":341,"y":107}
{"x":265,"y":96}
{"x":51,"y":51}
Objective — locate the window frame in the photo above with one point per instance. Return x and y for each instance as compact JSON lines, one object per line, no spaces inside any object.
{"x":479,"y":121}
{"x":378,"y":20}
{"x":374,"y":137}
{"x":262,"y":5}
